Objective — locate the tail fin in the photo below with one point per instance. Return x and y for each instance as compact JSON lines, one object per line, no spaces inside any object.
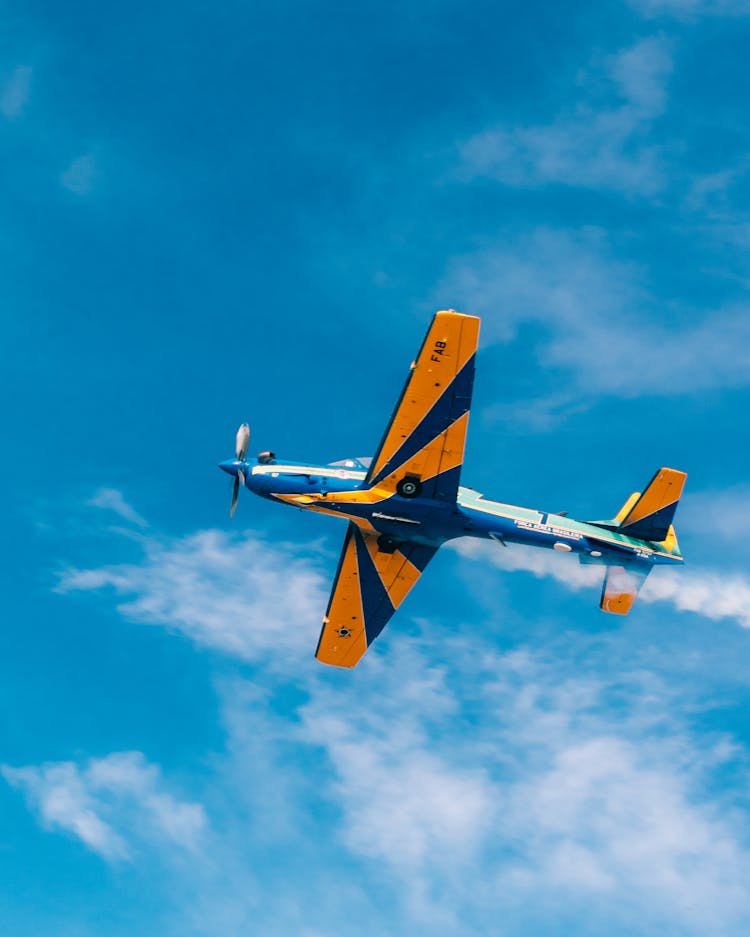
{"x":646,"y":516}
{"x":649,"y":517}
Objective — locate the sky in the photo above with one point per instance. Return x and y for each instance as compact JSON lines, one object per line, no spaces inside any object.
{"x":214,"y":213}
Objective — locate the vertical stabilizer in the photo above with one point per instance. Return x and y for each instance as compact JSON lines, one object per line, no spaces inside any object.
{"x":650,"y":517}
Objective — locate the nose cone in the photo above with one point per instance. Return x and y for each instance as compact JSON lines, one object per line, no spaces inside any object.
{"x":230,"y":466}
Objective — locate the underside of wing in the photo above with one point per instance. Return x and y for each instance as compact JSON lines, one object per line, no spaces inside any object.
{"x":370,"y":585}
{"x":425,"y":438}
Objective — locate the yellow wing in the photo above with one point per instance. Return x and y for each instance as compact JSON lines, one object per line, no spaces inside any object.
{"x":370,"y":585}
{"x":424,"y":441}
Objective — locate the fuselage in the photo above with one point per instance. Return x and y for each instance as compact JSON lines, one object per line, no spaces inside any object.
{"x":338,"y":489}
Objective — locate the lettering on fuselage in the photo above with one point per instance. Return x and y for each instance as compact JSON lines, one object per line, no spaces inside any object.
{"x":548,"y":529}
{"x":438,"y":351}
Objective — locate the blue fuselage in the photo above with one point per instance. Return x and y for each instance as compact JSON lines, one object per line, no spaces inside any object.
{"x":330,"y":489}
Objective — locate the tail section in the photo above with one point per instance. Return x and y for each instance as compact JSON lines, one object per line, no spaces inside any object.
{"x":650,"y":516}
{"x":646,"y":516}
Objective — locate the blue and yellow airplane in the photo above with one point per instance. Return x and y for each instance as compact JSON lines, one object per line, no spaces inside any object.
{"x":404,"y":503}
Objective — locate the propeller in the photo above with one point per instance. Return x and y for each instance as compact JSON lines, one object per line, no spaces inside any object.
{"x":242,"y":441}
{"x":236,"y":492}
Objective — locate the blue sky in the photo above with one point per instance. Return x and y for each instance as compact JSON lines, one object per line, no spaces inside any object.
{"x":249,"y":211}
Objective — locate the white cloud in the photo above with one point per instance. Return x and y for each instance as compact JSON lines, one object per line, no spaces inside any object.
{"x":110,"y":499}
{"x":80,"y":175}
{"x":410,"y":805}
{"x":590,"y":145}
{"x":604,"y":815}
{"x":15,"y":92}
{"x":640,"y":74}
{"x":519,"y":781}
{"x":109,"y":802}
{"x":726,"y":514}
{"x":240,"y":595}
{"x":597,"y":318}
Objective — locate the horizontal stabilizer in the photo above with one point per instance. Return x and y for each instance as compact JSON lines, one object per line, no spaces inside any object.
{"x":651,"y":515}
{"x":621,"y":587}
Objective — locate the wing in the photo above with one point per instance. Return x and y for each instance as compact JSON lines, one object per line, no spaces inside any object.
{"x":426,"y":435}
{"x":369,"y":586}
{"x":621,"y":587}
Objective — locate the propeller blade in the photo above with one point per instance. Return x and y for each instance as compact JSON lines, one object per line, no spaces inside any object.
{"x":235,"y":494}
{"x":242,"y":442}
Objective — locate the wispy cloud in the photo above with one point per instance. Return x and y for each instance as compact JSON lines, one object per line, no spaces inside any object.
{"x":598,"y":321}
{"x":111,"y":499}
{"x":14,"y":93}
{"x":412,"y":804}
{"x":604,"y":813}
{"x":593,"y":145}
{"x":518,"y":781}
{"x":726,"y":514}
{"x":109,"y":802}
{"x":80,"y":175}
{"x":241,"y":595}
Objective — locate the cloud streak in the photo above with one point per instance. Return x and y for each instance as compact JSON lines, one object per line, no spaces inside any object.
{"x":596,"y":319}
{"x":240,"y":595}
{"x":520,"y":781}
{"x":111,"y":499}
{"x":591,"y":146}
{"x":109,"y":801}
{"x":80,"y":176}
{"x":15,"y":92}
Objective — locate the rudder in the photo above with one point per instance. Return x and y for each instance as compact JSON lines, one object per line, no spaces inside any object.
{"x":650,"y":517}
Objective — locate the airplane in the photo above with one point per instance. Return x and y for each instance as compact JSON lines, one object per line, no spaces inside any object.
{"x":406,"y":501}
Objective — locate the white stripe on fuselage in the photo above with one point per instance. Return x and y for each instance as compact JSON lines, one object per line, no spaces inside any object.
{"x":273,"y":468}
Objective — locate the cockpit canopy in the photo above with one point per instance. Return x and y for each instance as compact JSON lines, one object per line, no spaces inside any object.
{"x":361,"y":463}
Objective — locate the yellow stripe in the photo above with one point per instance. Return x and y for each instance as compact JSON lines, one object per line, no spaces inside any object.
{"x":344,"y":611}
{"x":396,"y":573}
{"x":623,"y":512}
